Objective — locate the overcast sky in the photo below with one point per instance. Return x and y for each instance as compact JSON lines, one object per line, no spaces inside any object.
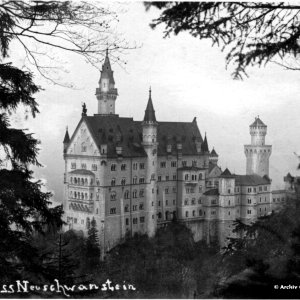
{"x":188,"y":79}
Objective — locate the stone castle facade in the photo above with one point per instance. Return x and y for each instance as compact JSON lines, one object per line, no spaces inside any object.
{"x":135,"y":176}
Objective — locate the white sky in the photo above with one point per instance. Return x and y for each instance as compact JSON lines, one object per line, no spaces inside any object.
{"x":188,"y":79}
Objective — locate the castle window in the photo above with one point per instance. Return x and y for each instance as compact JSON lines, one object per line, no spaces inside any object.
{"x":199,"y":201}
{"x":113,"y":196}
{"x":167,"y":177}
{"x":141,"y":193}
{"x":123,"y":181}
{"x":260,"y":188}
{"x":200,"y":176}
{"x":152,"y":176}
{"x":214,"y":201}
{"x":193,"y":201}
{"x":135,"y":221}
{"x":186,"y":177}
{"x":142,"y":180}
{"x":249,"y":201}
{"x":113,"y":182}
{"x":142,"y":166}
{"x":134,"y":180}
{"x":167,"y":202}
{"x":126,"y":208}
{"x":174,"y":189}
{"x":75,"y":180}
{"x":134,"y":166}
{"x":173,"y":164}
{"x":229,"y":213}
{"x":213,"y":212}
{"x":152,"y":191}
{"x":228,"y":191}
{"x":152,"y":204}
{"x":127,"y":221}
{"x":163,"y":164}
{"x":92,"y":181}
{"x":75,"y":195}
{"x":228,"y":202}
{"x":174,"y":177}
{"x":113,"y":211}
{"x":158,"y":203}
{"x":174,"y":202}
{"x":71,"y":180}
{"x":200,"y":212}
{"x":85,"y":182}
{"x":94,"y":167}
{"x":97,"y":211}
{"x":254,"y":190}
{"x":193,"y":213}
{"x":274,"y":199}
{"x":194,"y":163}
{"x":113,"y":167}
{"x":142,"y":219}
{"x":159,"y":178}
{"x":98,"y":182}
{"x":249,"y":190}
{"x":75,"y":220}
{"x":186,"y":202}
{"x":265,"y":188}
{"x":97,"y":196}
{"x":82,"y":181}
{"x":183,"y":163}
{"x":73,"y":165}
{"x":91,"y":195}
{"x":187,"y":190}
{"x":83,"y":166}
{"x":249,"y":211}
{"x":82,"y":196}
{"x":141,"y":206}
{"x":123,"y":167}
{"x":126,"y":194}
{"x":134,"y":207}
{"x":200,"y":188}
{"x":83,"y":147}
{"x":186,"y":214}
{"x":167,"y":191}
{"x":134,"y":194}
{"x":159,"y":215}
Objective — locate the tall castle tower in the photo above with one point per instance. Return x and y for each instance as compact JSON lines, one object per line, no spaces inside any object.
{"x":106,"y":93}
{"x":150,"y":144}
{"x":258,"y":153}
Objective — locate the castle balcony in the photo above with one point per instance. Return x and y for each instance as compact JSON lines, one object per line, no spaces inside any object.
{"x":190,"y":182}
{"x":81,"y":205}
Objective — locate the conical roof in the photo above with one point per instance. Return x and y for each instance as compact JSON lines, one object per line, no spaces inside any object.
{"x":213,"y":153}
{"x":149,"y":112}
{"x":258,"y":122}
{"x":204,"y":145}
{"x":67,"y":137}
{"x":106,"y":70}
{"x":226,"y":172}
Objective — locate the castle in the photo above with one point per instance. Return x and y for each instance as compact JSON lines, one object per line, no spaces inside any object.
{"x":135,"y":176}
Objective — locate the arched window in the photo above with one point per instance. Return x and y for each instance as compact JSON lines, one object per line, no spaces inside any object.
{"x":167,"y":215}
{"x":82,"y":181}
{"x":126,"y":194}
{"x":159,"y":215}
{"x":98,"y":182}
{"x":134,"y":194}
{"x":186,"y":214}
{"x":126,"y":208}
{"x":75,"y":195}
{"x":186,"y":177}
{"x":103,"y":162}
{"x":71,"y":179}
{"x":82,"y":196}
{"x":113,"y":182}
{"x":75,"y":180}
{"x":92,"y":181}
{"x":123,"y":181}
{"x":141,"y":193}
{"x":134,"y":180}
{"x":200,"y":212}
{"x":200,"y":176}
{"x":113,"y":167}
{"x":71,"y":194}
{"x":83,"y":147}
{"x":193,"y":213}
{"x":86,"y":196}
{"x":113,"y":196}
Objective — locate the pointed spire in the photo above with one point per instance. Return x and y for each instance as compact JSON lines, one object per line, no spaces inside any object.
{"x":67,"y":137}
{"x":204,"y":145}
{"x":213,"y":153}
{"x":149,"y":112}
{"x":106,"y":69}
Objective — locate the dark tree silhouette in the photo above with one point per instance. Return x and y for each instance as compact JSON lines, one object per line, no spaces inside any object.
{"x":77,"y":27}
{"x":92,"y":247}
{"x":253,"y":33}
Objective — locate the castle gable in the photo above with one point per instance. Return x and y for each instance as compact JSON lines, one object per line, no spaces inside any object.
{"x":82,"y":141}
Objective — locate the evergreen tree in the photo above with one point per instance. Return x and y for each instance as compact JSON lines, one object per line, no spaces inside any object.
{"x":92,"y":247}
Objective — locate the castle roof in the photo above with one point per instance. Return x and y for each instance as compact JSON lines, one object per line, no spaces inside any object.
{"x":106,"y":71}
{"x":213,"y":153}
{"x":251,"y":180}
{"x":226,"y":172}
{"x":204,"y":145}
{"x":149,"y":112}
{"x":258,"y":122}
{"x":67,"y":137}
{"x":127,"y":133}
